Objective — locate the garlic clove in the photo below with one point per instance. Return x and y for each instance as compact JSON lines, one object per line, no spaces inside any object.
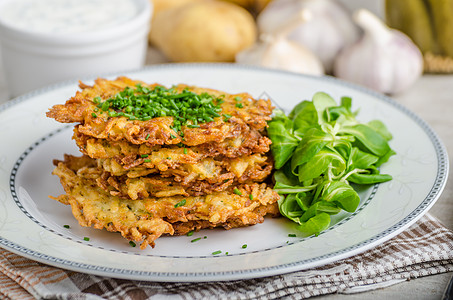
{"x":277,"y":52}
{"x":282,"y":54}
{"x":329,"y":30}
{"x":384,"y":59}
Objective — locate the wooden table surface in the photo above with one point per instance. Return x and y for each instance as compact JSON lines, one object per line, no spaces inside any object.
{"x":431,"y":98}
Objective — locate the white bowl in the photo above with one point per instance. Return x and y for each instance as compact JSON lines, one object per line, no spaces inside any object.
{"x":32,"y":59}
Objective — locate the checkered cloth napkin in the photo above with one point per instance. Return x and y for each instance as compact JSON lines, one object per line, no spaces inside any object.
{"x":424,"y":249}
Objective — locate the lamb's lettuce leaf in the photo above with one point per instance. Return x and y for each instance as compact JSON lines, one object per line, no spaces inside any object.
{"x":319,"y":148}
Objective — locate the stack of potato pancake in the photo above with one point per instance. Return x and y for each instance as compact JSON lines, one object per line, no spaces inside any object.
{"x":165,"y":161}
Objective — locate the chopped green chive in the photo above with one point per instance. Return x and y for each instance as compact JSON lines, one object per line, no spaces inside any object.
{"x":237,"y":98}
{"x":185,"y":150}
{"x":205,"y":237}
{"x":132,"y":244}
{"x":147,"y":137}
{"x":251,"y":197}
{"x":144,"y":103}
{"x":144,"y":155}
{"x":169,"y":157}
{"x":195,"y":240}
{"x":86,"y":239}
{"x":94,"y":115}
{"x":190,"y":233}
{"x":244,"y":246}
{"x":226,"y":117}
{"x":237,"y":192}
{"x":216,"y":252}
{"x":104,"y":106}
{"x":180,"y":203}
{"x":66,"y":226}
{"x":292,"y":235}
{"x":226,"y":253}
{"x":172,"y":136}
{"x":147,"y":160}
{"x":239,"y":105}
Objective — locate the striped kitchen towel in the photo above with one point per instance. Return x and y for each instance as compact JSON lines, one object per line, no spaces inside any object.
{"x":424,"y":249}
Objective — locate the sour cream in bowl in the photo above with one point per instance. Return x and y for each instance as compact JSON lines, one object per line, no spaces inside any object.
{"x":46,"y":41}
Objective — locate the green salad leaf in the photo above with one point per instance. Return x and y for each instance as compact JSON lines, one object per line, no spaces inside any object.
{"x":319,"y":148}
{"x":285,"y":141}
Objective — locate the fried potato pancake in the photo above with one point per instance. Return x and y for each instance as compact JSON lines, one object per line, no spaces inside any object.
{"x":127,"y":153}
{"x":205,"y":177}
{"x":146,"y":220}
{"x":242,"y":169}
{"x":252,"y":114}
{"x":158,"y":161}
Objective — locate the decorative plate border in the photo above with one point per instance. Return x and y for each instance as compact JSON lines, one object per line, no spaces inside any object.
{"x":13,"y":190}
{"x":429,"y":200}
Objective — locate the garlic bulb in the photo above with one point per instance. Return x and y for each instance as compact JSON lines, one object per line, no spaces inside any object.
{"x":329,"y":30}
{"x":384,"y":59}
{"x":277,"y":52}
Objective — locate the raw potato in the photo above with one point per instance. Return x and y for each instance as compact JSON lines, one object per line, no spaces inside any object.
{"x":247,"y":4}
{"x":254,"y":6}
{"x":161,"y":5}
{"x":205,"y":31}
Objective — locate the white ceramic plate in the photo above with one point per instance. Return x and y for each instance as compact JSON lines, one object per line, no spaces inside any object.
{"x":31,"y":224}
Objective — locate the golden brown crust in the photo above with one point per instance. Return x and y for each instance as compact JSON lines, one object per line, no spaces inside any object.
{"x":250,"y":142}
{"x":144,"y":180}
{"x":253,"y":115}
{"x":253,"y":218}
{"x":145,"y":220}
{"x":206,"y":177}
